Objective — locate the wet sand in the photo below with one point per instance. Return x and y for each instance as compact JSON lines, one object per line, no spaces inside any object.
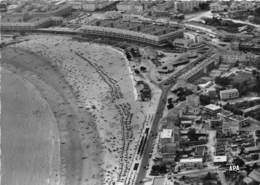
{"x":100,"y":79}
{"x":70,"y":118}
{"x":30,"y":140}
{"x":90,"y":80}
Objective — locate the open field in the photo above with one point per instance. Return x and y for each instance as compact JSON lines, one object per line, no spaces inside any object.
{"x":30,"y":139}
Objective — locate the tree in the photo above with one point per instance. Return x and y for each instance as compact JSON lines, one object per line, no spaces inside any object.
{"x":257,"y":86}
{"x":195,"y":9}
{"x":192,"y":135}
{"x":238,"y":162}
{"x":149,"y":14}
{"x":208,"y":176}
{"x":204,"y":6}
{"x":143,"y":69}
{"x":257,"y":12}
{"x":137,"y":72}
{"x":223,"y":81}
{"x":258,"y":65}
{"x":204,"y":100}
{"x":242,"y":87}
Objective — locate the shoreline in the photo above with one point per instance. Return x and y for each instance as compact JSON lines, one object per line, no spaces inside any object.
{"x":52,"y":165}
{"x":73,"y":149}
{"x":91,"y":72}
{"x":106,"y":86}
{"x":130,"y":71}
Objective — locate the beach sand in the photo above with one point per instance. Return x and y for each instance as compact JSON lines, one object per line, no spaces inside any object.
{"x":100,"y":85}
{"x":69,"y":117}
{"x":30,"y":137}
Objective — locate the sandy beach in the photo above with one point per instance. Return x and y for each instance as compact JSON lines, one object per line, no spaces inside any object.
{"x":30,"y":137}
{"x":63,"y":104}
{"x":98,"y":85}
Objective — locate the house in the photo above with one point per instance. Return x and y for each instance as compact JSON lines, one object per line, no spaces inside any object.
{"x":159,"y":181}
{"x":191,"y":162}
{"x":230,"y":124}
{"x":211,"y":92}
{"x":212,"y":109}
{"x":166,"y":136}
{"x":229,"y":94}
{"x":186,"y":6}
{"x":167,"y":147}
{"x":255,"y":175}
{"x":220,"y":159}
{"x":193,"y":103}
{"x":3,"y":7}
{"x":248,"y":180}
{"x":182,"y":43}
{"x":186,"y":123}
{"x":218,"y":7}
{"x":250,"y":110}
{"x":94,"y":5}
{"x":194,"y":37}
{"x":193,"y":100}
{"x":252,"y":149}
{"x":126,"y":6}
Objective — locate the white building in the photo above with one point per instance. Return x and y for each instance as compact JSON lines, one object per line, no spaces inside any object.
{"x":241,"y":5}
{"x":220,"y":159}
{"x":218,"y":7}
{"x":182,"y":43}
{"x":131,"y":35}
{"x":166,"y":136}
{"x":126,"y":6}
{"x":191,"y":162}
{"x":193,"y":100}
{"x":255,"y":175}
{"x":186,"y":6}
{"x":229,"y":94}
{"x":90,"y":5}
{"x":195,"y":37}
{"x":212,"y":109}
{"x":77,"y":5}
{"x":205,"y":85}
{"x":193,"y":104}
{"x":160,"y":181}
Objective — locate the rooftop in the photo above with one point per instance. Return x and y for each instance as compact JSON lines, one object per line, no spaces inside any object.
{"x":254,"y":108}
{"x":225,"y":113}
{"x":131,"y":3}
{"x":136,"y":26}
{"x":221,"y":158}
{"x":205,"y":85}
{"x":248,"y":180}
{"x":166,"y":133}
{"x":255,"y":175}
{"x":213,"y":107}
{"x":159,"y":180}
{"x":229,"y":91}
{"x":191,"y":160}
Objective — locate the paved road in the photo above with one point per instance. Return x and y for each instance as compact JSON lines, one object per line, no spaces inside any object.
{"x":243,"y":22}
{"x":149,"y":144}
{"x":198,"y":172}
{"x":222,"y":178}
{"x":165,"y":86}
{"x":252,"y":162}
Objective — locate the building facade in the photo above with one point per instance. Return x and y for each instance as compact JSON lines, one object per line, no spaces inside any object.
{"x":191,"y":162}
{"x":186,"y":6}
{"x":131,"y":35}
{"x":130,"y":6}
{"x":229,"y":94}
